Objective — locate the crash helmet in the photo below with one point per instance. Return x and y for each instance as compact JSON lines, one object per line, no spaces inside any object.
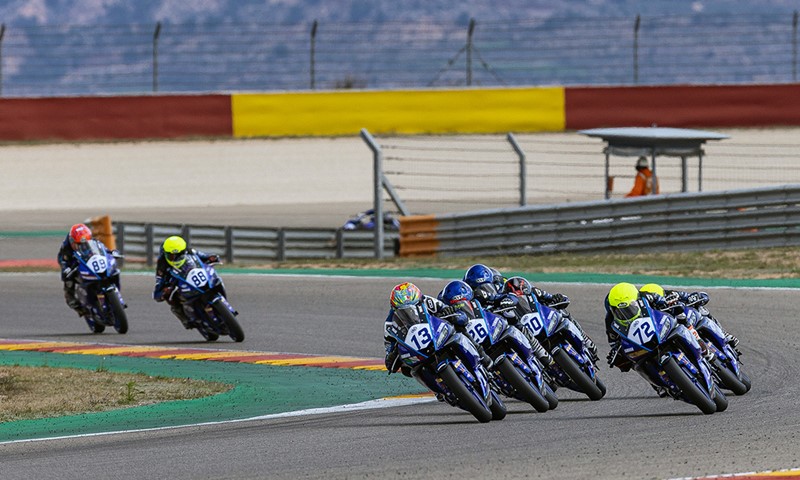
{"x":517,"y":286}
{"x":652,"y":288}
{"x":623,"y":300}
{"x":480,"y":276}
{"x":405,"y":295}
{"x":174,"y":249}
{"x":79,"y":234}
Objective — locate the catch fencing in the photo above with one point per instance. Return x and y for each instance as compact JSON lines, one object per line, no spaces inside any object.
{"x":58,"y":60}
{"x":756,"y":218}
{"x":140,"y":242}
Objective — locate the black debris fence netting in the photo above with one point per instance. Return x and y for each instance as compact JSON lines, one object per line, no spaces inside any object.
{"x":56,"y":60}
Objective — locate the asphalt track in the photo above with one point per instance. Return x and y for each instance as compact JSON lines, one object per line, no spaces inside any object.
{"x":629,"y":434}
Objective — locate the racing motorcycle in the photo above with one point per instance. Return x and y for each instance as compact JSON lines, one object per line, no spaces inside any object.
{"x":426,"y":342}
{"x":574,"y":367}
{"x":726,"y":365}
{"x":669,"y":354}
{"x":517,"y":372}
{"x":97,"y":287}
{"x":203,"y":296}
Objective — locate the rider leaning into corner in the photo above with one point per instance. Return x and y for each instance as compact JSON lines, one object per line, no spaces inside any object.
{"x":78,"y":237}
{"x":173,"y":254}
{"x":407,"y":295}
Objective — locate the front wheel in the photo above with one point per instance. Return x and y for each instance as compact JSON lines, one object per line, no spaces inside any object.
{"x":729,"y":380}
{"x":120,"y":317}
{"x":524,"y":390}
{"x":466,"y":398}
{"x":234,"y":329}
{"x":574,"y":372}
{"x":691,"y":391}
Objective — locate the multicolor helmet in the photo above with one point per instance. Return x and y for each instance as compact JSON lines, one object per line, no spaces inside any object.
{"x":405,"y":295}
{"x":174,"y":248}
{"x":78,"y":234}
{"x":623,"y":299}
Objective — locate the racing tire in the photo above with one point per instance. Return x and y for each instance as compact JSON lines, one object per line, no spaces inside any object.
{"x":98,"y":327}
{"x":497,"y":407}
{"x":525,"y":391}
{"x":600,"y":385}
{"x":745,"y":378}
{"x":550,"y":395}
{"x":234,"y":329}
{"x":728,"y":379}
{"x":574,"y":372}
{"x":720,"y":400}
{"x":208,"y":335}
{"x":120,"y":317}
{"x":691,"y":391}
{"x":466,"y":398}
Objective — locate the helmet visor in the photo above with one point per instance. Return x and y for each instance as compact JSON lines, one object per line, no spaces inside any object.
{"x":625,"y":313}
{"x":176,"y":259}
{"x":407,"y":316}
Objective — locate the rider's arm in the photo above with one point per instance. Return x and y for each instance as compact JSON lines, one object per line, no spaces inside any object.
{"x":162,"y":278}
{"x":206,"y":257}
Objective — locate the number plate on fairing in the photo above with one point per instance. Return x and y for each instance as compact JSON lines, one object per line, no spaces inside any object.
{"x":419,"y":336}
{"x":642,"y":330}
{"x":97,"y":264}
{"x":477,"y":330}
{"x":533,"y":322}
{"x":197,"y":277}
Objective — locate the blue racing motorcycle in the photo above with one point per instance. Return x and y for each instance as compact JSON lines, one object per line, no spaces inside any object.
{"x":669,"y":355}
{"x":202,"y":293}
{"x":726,"y":365}
{"x":432,"y":347}
{"x":97,"y":287}
{"x":574,"y":367}
{"x":517,"y":372}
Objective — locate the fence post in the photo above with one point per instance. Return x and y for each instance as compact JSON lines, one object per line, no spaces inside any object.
{"x":156,"y":33}
{"x":281,"y":253}
{"x":794,"y":46}
{"x":636,"y":26}
{"x":377,"y":192}
{"x":121,"y":243}
{"x":523,"y":171}
{"x":470,"y":30}
{"x":340,"y":243}
{"x":2,"y":34}
{"x":229,"y":244}
{"x":148,"y":247}
{"x":313,"y":52}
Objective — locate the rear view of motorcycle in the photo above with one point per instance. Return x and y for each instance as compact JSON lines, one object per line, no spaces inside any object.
{"x":202,"y":293}
{"x":97,"y":288}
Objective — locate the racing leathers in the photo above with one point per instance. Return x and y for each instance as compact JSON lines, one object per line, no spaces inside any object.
{"x":69,"y":268}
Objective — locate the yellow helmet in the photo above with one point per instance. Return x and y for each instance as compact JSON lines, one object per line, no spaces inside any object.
{"x":652,"y":288}
{"x":175,"y":251}
{"x":623,"y":301}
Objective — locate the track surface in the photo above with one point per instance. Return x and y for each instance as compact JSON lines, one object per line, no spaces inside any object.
{"x":629,"y":434}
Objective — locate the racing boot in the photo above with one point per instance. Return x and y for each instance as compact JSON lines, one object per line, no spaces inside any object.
{"x":591,"y":348}
{"x":661,"y":391}
{"x":177,"y":310}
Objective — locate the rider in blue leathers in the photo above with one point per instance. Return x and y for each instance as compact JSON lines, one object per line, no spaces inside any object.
{"x":492,"y":290}
{"x":173,"y":253}
{"x":79,"y":235}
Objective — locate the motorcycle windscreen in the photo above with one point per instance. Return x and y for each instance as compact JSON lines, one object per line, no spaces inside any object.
{"x":408,"y":316}
{"x":87,"y":250}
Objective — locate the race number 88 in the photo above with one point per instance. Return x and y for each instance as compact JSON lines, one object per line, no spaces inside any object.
{"x":198,"y":277}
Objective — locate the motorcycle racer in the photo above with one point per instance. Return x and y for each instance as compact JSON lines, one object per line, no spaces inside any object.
{"x":173,"y":254}
{"x":78,"y":238}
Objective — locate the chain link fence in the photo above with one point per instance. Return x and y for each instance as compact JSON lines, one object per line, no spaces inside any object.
{"x":136,"y":58}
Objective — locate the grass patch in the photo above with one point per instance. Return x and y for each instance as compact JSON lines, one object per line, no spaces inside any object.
{"x":28,"y":393}
{"x":748,"y":264}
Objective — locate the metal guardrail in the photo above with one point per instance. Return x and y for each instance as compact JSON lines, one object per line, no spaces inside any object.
{"x":765,"y":217}
{"x":141,"y":242}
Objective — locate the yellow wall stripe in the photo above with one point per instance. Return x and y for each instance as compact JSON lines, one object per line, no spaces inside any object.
{"x":399,"y":111}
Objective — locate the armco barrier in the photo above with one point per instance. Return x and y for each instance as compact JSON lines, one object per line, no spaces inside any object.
{"x":766,"y":217}
{"x":141,"y":242}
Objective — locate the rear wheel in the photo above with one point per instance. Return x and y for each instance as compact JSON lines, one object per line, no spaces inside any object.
{"x":574,"y":372}
{"x":691,"y":391}
{"x":120,"y":318}
{"x":524,"y":390}
{"x":96,"y":327}
{"x":234,"y":329}
{"x":466,"y":396}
